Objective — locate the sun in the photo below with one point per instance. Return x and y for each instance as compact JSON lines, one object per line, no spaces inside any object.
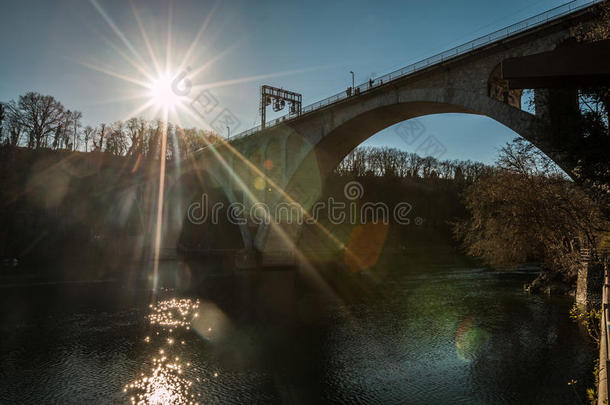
{"x":163,"y":92}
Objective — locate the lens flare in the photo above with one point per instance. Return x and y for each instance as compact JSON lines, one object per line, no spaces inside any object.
{"x":470,"y":339}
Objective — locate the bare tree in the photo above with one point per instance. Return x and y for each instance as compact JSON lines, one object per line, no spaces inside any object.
{"x":98,"y":138}
{"x":88,"y":134}
{"x":75,"y":118}
{"x":13,"y":125}
{"x":134,"y":136}
{"x":39,"y":115}
{"x":116,"y":142}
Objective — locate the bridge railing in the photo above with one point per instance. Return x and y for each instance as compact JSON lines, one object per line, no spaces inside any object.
{"x":439,"y":58}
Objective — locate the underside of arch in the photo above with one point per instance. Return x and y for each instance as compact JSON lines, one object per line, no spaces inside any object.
{"x":306,"y":184}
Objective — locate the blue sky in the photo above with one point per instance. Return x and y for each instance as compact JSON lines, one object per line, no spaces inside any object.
{"x":59,"y":48}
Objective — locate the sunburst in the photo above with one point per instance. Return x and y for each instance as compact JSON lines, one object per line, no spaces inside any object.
{"x":164,"y":87}
{"x":165,"y":92}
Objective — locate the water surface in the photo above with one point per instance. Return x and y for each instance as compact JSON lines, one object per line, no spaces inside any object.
{"x":418,"y":334}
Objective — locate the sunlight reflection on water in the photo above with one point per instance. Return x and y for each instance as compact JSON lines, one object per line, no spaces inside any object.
{"x":166,"y":382}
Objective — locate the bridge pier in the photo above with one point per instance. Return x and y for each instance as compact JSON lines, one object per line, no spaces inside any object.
{"x":589,"y":283}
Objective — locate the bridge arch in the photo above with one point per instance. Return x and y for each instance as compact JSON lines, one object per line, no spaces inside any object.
{"x":343,"y":132}
{"x":346,"y":128}
{"x":466,"y":79}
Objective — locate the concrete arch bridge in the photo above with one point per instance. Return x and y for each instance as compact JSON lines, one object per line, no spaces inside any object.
{"x":288,"y":162}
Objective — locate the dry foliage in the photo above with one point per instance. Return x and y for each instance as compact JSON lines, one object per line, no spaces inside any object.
{"x":528,"y":210}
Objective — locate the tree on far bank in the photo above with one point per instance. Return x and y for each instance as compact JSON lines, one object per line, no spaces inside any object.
{"x":39,"y":115}
{"x":528,"y":210}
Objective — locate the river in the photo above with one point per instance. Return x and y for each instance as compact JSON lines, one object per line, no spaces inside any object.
{"x":412,"y":334}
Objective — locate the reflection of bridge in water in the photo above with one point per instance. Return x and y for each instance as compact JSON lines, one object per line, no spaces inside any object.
{"x":288,"y":161}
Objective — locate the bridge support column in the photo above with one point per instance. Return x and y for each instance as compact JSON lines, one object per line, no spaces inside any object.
{"x":589,"y":283}
{"x":278,"y":245}
{"x":559,"y":109}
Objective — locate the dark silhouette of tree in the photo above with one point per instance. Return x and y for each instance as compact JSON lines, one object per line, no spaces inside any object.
{"x":13,"y":128}
{"x":37,"y":121}
{"x":39,"y":115}
{"x":57,"y":137}
{"x":135,"y":134}
{"x":88,"y":134}
{"x":396,"y":163}
{"x":116,"y":142}
{"x":75,"y":121}
{"x":98,"y":138}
